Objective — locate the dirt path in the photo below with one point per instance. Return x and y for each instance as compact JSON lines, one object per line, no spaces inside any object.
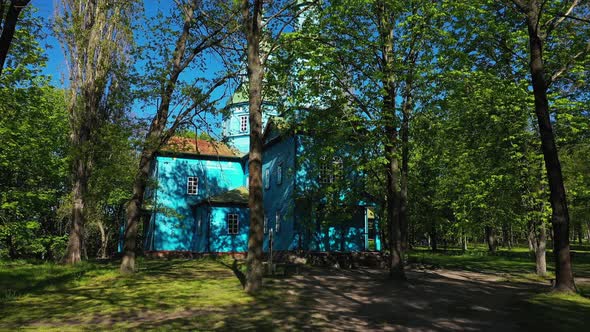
{"x":359,"y":300}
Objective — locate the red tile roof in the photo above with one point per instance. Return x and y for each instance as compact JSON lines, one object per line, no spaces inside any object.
{"x":199,"y":146}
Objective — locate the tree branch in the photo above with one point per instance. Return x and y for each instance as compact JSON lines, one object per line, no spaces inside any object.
{"x":521,"y":5}
{"x":565,"y":67}
{"x":554,"y":22}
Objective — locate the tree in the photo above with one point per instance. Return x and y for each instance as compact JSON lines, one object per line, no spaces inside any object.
{"x":540,"y":30}
{"x":33,"y":126}
{"x":110,"y":185}
{"x":200,"y":32}
{"x":8,"y":23}
{"x":252,"y":21}
{"x":95,"y":36}
{"x":380,"y":60}
{"x":33,"y":153}
{"x":262,"y":36}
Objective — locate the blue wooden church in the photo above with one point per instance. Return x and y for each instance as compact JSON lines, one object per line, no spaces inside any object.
{"x":199,"y":202}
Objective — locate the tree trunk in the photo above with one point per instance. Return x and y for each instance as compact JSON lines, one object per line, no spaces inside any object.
{"x":396,"y":269}
{"x":382,"y":229}
{"x":506,"y":236}
{"x":134,"y":213}
{"x":433,"y":236}
{"x":389,"y":119}
{"x":104,"y":241}
{"x":540,"y":245}
{"x":405,"y":133}
{"x":12,"y":254}
{"x":564,"y":278}
{"x":81,"y":174}
{"x":252,"y":21}
{"x":9,"y":27}
{"x":464,"y":243}
{"x":491,"y":239}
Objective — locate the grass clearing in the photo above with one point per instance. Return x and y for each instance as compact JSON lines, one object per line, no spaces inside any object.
{"x":95,"y":294}
{"x":205,"y":294}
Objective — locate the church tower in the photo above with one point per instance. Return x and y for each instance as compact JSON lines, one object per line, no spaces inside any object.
{"x":236,"y":124}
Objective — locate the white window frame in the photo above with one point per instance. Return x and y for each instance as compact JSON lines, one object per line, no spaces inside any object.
{"x":233,"y":217}
{"x":243,"y":123}
{"x":266,"y":178}
{"x":277,"y":222}
{"x":280,"y":173}
{"x":192,"y":185}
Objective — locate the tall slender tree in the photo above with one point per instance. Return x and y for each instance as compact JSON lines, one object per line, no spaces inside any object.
{"x":95,"y":36}
{"x":262,"y":36}
{"x":252,"y":22}
{"x":201,"y":30}
{"x":542,"y":19}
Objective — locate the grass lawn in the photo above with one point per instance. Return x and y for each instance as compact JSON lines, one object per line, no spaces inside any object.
{"x":204,"y":294}
{"x":54,"y":297}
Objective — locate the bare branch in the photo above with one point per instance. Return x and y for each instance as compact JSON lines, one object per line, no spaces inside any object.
{"x":283,"y":27}
{"x":571,"y":61}
{"x":554,"y":22}
{"x":182,"y":116}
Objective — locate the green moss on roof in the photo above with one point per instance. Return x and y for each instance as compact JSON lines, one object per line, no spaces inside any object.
{"x":240,"y":95}
{"x":235,"y":196}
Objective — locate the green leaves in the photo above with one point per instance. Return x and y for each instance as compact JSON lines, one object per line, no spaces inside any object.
{"x":33,"y":132}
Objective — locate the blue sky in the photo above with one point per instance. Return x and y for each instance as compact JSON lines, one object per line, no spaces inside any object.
{"x":56,"y":64}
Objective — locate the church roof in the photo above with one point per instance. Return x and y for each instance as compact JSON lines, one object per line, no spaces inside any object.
{"x":239,"y":96}
{"x":235,"y":196}
{"x":199,"y":147}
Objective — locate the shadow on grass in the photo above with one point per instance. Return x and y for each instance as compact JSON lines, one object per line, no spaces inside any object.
{"x":553,"y":312}
{"x":504,"y":262}
{"x":22,"y":278}
{"x":206,"y":295}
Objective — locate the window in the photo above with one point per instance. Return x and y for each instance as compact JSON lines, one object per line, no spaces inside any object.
{"x":280,"y":173}
{"x":277,"y":222}
{"x":266,"y":178}
{"x":192,"y":185}
{"x":233,"y":223}
{"x":330,"y":172}
{"x":265,"y":224}
{"x":243,"y":123}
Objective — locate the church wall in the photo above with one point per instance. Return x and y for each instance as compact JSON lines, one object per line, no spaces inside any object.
{"x":174,"y":222}
{"x":179,"y":224}
{"x":221,"y":239}
{"x":278,"y":197}
{"x":232,"y":129}
{"x":347,"y":233}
